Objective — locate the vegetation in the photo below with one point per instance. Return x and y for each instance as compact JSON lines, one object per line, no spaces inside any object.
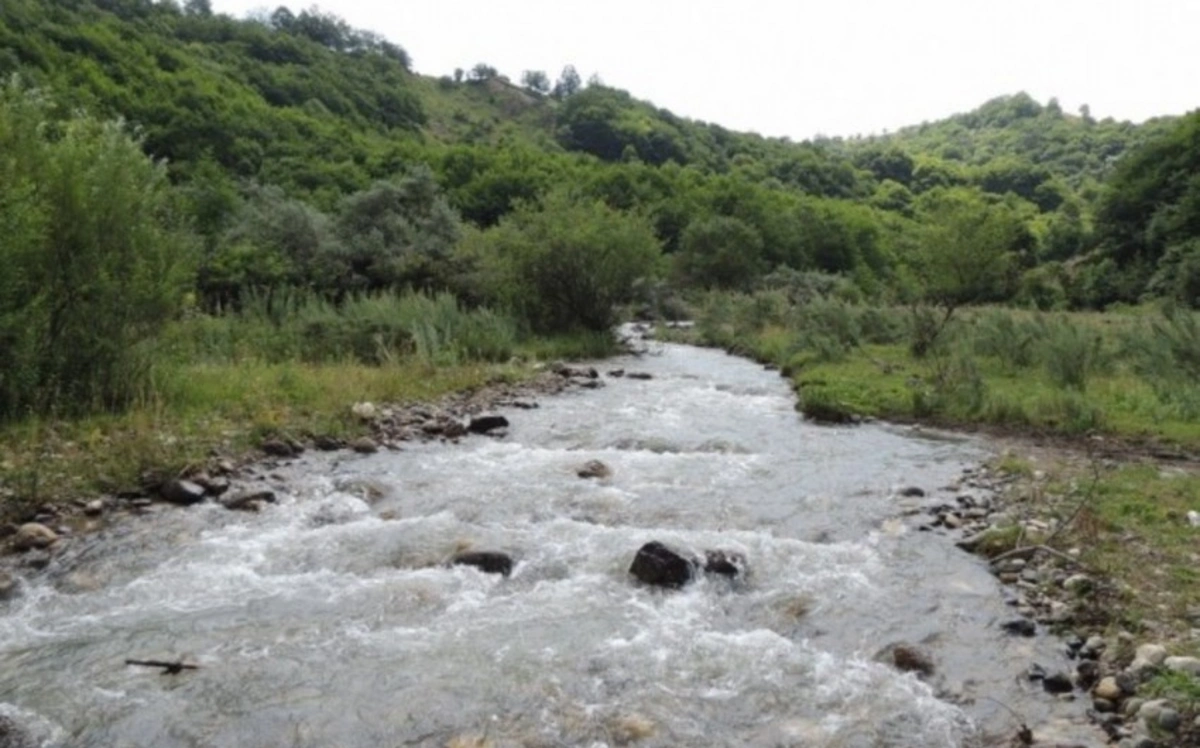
{"x":182,"y":189}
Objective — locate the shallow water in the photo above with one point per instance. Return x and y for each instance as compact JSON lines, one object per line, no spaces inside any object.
{"x":332,"y":619}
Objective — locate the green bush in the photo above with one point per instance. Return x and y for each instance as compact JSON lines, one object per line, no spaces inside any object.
{"x":91,"y":261}
{"x":1071,"y":352}
{"x":565,"y":263}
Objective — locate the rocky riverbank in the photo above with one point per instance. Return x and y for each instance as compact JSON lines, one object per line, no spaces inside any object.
{"x":1035,"y":516}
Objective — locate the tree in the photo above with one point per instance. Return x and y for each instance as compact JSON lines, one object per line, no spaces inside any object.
{"x":720,"y":252}
{"x":483,"y":72}
{"x":201,"y":8}
{"x":536,"y":81}
{"x":965,"y":255}
{"x":569,"y":83}
{"x":564,"y":263}
{"x":92,"y":259}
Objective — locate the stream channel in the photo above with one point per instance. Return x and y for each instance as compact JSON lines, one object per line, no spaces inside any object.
{"x":331,"y":618}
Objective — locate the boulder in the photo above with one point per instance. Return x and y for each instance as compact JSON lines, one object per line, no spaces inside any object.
{"x":912,"y":492}
{"x":725,"y":563}
{"x":659,"y":566}
{"x":364,"y":411}
{"x":327,"y":443}
{"x":33,"y":535}
{"x":182,"y":492}
{"x":639,"y":375}
{"x":454,"y":429}
{"x":212,"y":485}
{"x":1190,"y":665}
{"x":490,"y":562}
{"x":94,"y":507}
{"x":486,"y":424}
{"x":1108,"y":689}
{"x":593,"y":469}
{"x":910,"y":659}
{"x":364,"y":445}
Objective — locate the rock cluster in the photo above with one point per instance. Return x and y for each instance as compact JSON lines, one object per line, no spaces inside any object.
{"x":657,"y":565}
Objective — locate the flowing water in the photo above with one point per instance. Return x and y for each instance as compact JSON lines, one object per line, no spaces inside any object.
{"x":332,"y":619}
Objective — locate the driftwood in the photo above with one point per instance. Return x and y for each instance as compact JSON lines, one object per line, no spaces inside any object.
{"x":169,"y":668}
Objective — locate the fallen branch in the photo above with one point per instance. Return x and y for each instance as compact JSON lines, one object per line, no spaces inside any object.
{"x":169,"y":668}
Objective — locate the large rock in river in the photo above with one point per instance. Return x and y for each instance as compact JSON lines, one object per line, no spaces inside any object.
{"x":659,"y":566}
{"x":33,"y":535}
{"x":491,"y":562}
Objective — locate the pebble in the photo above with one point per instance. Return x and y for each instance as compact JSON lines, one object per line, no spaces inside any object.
{"x":94,"y":507}
{"x":1108,"y":689}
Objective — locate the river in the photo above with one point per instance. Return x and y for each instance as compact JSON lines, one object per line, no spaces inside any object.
{"x":332,"y":619}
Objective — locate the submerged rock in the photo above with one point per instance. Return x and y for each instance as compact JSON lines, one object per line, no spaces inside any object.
{"x":1020,"y":627}
{"x":280,"y":448}
{"x":485,"y":424}
{"x":725,"y":563}
{"x":491,"y":562}
{"x":908,"y":658}
{"x":593,"y":469}
{"x":15,"y":735}
{"x":33,"y":535}
{"x":659,"y":566}
{"x":182,"y":492}
{"x":249,"y":502}
{"x":8,"y":587}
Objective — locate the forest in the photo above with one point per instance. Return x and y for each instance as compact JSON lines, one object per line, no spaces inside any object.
{"x":182,"y":188}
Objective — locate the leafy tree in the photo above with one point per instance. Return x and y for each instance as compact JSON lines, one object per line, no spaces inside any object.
{"x":483,"y":72}
{"x":536,"y":81}
{"x":92,"y":261}
{"x":564,"y":263}
{"x":720,"y":252}
{"x":569,"y":83}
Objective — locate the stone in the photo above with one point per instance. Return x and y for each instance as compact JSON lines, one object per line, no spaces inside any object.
{"x":1087,"y":673}
{"x":8,"y":587}
{"x":1020,"y":627}
{"x":248,"y":502}
{"x":1189,"y":665}
{"x":279,"y":448}
{"x":1103,"y":706}
{"x":638,"y":375}
{"x":485,"y":424}
{"x":912,"y":492}
{"x":725,"y":563}
{"x":327,"y":443}
{"x":1147,"y":658}
{"x":951,"y":520}
{"x":616,"y":372}
{"x":1058,"y":683}
{"x":364,"y":411}
{"x":364,"y":445}
{"x":94,"y":507}
{"x":454,"y":429}
{"x":1169,"y":720}
{"x":13,"y":734}
{"x":659,"y":566}
{"x":1108,"y":689}
{"x":490,"y":562}
{"x":33,"y":535}
{"x":213,"y":486}
{"x":182,"y":492}
{"x":911,"y":659}
{"x":1150,"y":710}
{"x":593,"y":469}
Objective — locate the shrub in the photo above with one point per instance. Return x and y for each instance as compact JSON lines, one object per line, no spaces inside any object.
{"x":1071,"y":353}
{"x":91,"y":261}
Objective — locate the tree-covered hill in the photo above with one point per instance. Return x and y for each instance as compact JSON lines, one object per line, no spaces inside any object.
{"x":278,"y":129}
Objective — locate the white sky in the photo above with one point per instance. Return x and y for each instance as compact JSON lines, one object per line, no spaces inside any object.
{"x":803,"y":68}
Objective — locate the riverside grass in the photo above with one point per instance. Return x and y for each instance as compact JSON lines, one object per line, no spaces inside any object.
{"x":292,"y":366}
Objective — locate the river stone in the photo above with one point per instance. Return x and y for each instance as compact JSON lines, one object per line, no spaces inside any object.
{"x":248,"y":502}
{"x":1108,"y":689}
{"x":726,"y":563}
{"x":912,"y":492}
{"x":491,"y":562}
{"x":1058,"y":683}
{"x":279,"y":448}
{"x":485,"y":424}
{"x":1150,"y":710}
{"x":327,"y":443}
{"x":909,"y":658}
{"x":593,"y":469}
{"x":1086,"y":674}
{"x":1103,"y":706}
{"x":657,"y":565}
{"x":454,"y":429}
{"x":1077,"y":583}
{"x":182,"y":492}
{"x":1189,"y":665}
{"x":94,"y":507}
{"x":364,"y":445}
{"x":1169,"y":719}
{"x":616,"y":373}
{"x":639,"y":375}
{"x":33,"y":535}
{"x":1020,"y":627}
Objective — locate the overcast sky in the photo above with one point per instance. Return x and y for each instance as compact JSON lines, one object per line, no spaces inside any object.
{"x":801,"y":68}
